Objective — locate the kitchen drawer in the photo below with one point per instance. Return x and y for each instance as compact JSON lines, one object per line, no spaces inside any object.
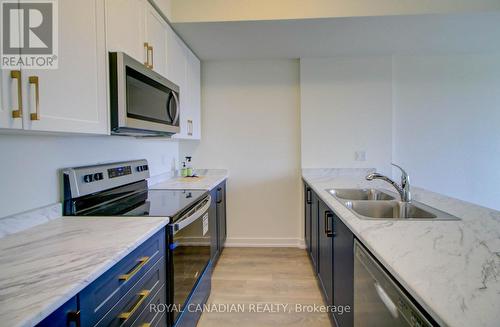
{"x":100,"y":296}
{"x":129,"y":308}
{"x":150,"y":317}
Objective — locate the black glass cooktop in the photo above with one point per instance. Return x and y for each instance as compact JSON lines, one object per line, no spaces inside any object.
{"x":132,"y":200}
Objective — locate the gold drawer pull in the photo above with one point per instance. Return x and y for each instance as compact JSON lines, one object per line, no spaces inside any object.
{"x":146,"y":324}
{"x":146,"y":47}
{"x":142,"y":296}
{"x":34,"y":80}
{"x":150,"y":49}
{"x":18,"y":113}
{"x":130,"y":274}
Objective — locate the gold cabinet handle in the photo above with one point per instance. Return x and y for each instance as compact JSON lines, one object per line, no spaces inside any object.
{"x":18,"y":113}
{"x":34,"y":81}
{"x":146,"y":324}
{"x":142,"y":296}
{"x":150,"y":49}
{"x":146,"y":47}
{"x":135,"y":270}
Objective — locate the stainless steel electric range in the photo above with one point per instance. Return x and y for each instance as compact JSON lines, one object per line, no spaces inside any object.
{"x":120,"y":189}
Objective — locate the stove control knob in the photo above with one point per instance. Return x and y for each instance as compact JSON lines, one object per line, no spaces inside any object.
{"x":142,"y":168}
{"x":98,"y":176}
{"x":88,"y":178}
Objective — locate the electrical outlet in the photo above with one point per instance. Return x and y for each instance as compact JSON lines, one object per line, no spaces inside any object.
{"x":360,"y":155}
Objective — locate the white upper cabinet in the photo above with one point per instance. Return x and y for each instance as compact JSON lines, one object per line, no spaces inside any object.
{"x":71,"y":98}
{"x":176,"y":59}
{"x":125,"y":27}
{"x":191,"y":116}
{"x":183,"y":68}
{"x":156,"y":38}
{"x":11,"y":105}
{"x":136,"y":28}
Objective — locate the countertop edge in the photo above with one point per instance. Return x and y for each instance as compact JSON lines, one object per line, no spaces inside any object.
{"x":326,"y":198}
{"x":44,"y":313}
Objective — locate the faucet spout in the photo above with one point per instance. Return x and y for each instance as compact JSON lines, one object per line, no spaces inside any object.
{"x":403,"y":189}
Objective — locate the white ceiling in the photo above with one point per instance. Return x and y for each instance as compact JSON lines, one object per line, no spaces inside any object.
{"x":424,"y":34}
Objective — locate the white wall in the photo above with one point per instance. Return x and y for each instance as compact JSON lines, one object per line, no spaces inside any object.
{"x":29,"y":164}
{"x":251,"y":126}
{"x":346,"y":106}
{"x":447,"y":124}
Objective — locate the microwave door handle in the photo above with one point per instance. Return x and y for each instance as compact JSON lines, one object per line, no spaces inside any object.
{"x":177,"y":108}
{"x":169,"y":100}
{"x":183,"y":223}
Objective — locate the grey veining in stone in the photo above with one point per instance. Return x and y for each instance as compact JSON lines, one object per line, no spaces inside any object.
{"x":210,"y":179}
{"x":452,"y":268}
{"x":46,"y":265}
{"x":24,"y":220}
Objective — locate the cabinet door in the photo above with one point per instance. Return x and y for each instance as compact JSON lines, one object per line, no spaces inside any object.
{"x":221,"y":215}
{"x":125,"y":27}
{"x":11,"y":99}
{"x":325,"y":271}
{"x":307,"y":217}
{"x":314,"y":231}
{"x":73,"y":97}
{"x":11,"y":102}
{"x":176,"y":60}
{"x":343,"y":271}
{"x":156,"y":37}
{"x":66,"y":316}
{"x":190,"y":117}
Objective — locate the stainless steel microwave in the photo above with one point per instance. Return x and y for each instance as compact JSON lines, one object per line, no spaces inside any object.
{"x":142,"y":102}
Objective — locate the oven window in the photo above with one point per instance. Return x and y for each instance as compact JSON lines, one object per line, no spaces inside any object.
{"x":190,"y":258}
{"x":148,"y":99}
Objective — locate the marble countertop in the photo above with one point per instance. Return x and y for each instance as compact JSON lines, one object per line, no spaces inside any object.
{"x":452,"y":268}
{"x":46,"y":265}
{"x":208,"y":179}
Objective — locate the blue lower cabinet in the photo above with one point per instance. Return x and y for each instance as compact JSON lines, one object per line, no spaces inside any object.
{"x":330,"y":246}
{"x":343,"y":273}
{"x":97,"y":299}
{"x":129,"y":308}
{"x":66,"y":316}
{"x":193,"y":308}
{"x":154,"y":314}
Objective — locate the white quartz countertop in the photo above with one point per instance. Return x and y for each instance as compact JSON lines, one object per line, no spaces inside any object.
{"x":46,"y":265}
{"x":452,"y":268}
{"x":207,"y":180}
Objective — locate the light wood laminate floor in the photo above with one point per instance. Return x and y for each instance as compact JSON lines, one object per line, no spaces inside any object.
{"x":251,"y":276}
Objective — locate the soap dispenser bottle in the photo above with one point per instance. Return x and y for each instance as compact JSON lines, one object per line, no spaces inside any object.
{"x":189,"y":167}
{"x":184,"y":170}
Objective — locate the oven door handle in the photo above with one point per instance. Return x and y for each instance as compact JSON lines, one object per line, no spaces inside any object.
{"x":184,"y":222}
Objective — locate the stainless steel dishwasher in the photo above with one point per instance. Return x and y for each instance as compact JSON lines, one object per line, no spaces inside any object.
{"x":378,"y":300}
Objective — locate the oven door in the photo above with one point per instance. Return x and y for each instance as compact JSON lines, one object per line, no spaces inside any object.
{"x":189,"y":254}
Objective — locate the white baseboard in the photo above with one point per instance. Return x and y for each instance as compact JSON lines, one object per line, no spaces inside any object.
{"x":266,"y":242}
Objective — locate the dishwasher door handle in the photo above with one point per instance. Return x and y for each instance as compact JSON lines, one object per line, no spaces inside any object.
{"x":391,"y":306}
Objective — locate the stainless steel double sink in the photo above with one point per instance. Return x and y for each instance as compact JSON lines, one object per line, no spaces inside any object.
{"x":381,"y":204}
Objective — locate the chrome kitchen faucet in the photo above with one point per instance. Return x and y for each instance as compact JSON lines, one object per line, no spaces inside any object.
{"x":403,"y":189}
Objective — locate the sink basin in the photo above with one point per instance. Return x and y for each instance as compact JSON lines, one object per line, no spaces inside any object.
{"x":360,"y":194}
{"x":397,"y":210}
